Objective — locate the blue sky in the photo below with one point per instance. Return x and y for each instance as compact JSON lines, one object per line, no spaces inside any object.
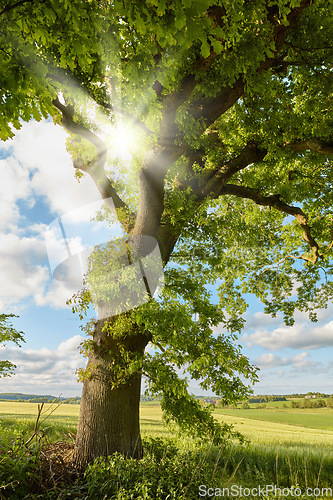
{"x":38,"y":185}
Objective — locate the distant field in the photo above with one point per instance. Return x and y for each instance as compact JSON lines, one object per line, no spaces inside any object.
{"x":260,"y":432}
{"x":284,"y":427}
{"x":320,"y":418}
{"x":10,"y":408}
{"x":280,"y":404}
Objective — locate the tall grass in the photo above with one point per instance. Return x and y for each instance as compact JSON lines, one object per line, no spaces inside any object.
{"x":174,"y":466}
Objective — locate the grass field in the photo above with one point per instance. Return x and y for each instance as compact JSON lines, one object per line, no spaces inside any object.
{"x":289,"y":429}
{"x":269,"y":426}
{"x":287,"y":446}
{"x":319,"y":418}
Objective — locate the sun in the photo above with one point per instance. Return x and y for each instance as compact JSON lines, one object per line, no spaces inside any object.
{"x":124,"y":141}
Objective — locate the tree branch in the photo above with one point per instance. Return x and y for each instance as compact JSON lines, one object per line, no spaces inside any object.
{"x":214,"y":184}
{"x":274,"y":201}
{"x":95,"y":168}
{"x":60,"y":75}
{"x":313,"y":144}
{"x":17,"y":4}
{"x":151,"y":187}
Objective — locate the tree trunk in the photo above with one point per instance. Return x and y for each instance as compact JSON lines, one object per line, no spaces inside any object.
{"x":109,"y":411}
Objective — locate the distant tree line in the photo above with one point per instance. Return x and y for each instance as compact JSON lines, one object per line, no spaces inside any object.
{"x":315,"y":394}
{"x":313,"y":403}
{"x":266,"y":399}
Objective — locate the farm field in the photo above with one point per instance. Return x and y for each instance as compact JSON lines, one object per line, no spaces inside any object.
{"x":286,"y":427}
{"x":319,"y":418}
{"x":279,"y":453}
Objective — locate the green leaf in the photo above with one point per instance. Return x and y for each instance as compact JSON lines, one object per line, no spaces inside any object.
{"x":205,"y":48}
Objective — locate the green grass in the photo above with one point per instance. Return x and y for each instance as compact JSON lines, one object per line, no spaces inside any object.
{"x":280,"y":453}
{"x":319,"y":418}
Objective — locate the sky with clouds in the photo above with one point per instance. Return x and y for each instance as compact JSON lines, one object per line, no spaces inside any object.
{"x":37,"y":186}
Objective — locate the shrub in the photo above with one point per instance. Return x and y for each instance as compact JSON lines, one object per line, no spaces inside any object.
{"x":164,"y":472}
{"x":19,"y":469}
{"x":329,"y":402}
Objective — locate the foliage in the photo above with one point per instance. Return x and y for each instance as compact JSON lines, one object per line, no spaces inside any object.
{"x":164,"y":472}
{"x":19,"y":468}
{"x":8,"y":334}
{"x":329,"y":402}
{"x":167,"y":471}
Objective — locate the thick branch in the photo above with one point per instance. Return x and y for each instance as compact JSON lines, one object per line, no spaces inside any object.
{"x":151,"y":187}
{"x":17,"y":4}
{"x":60,"y":75}
{"x":274,"y":201}
{"x":95,"y":168}
{"x":313,"y":144}
{"x":250,"y":154}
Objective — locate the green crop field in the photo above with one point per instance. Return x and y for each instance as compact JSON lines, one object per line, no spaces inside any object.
{"x":265,"y":426}
{"x":287,"y":446}
{"x":319,"y":418}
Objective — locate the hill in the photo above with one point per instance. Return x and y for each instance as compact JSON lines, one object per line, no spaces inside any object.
{"x":15,"y":396}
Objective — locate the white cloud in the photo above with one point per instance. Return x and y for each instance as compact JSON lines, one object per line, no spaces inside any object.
{"x":38,"y":165}
{"x":299,"y":362}
{"x":20,"y":274}
{"x":40,"y":148}
{"x":258,"y":319}
{"x":298,"y":336}
{"x":24,"y":274}
{"x":270,"y":361}
{"x":45,"y":371}
{"x":14,"y":186}
{"x":54,"y":295}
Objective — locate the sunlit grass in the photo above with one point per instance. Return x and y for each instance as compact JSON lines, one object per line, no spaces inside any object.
{"x":279,"y":453}
{"x":320,"y":418}
{"x":274,"y":433}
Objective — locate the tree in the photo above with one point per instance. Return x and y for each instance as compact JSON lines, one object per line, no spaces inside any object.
{"x":8,"y":334}
{"x":329,"y":402}
{"x":232,"y":177}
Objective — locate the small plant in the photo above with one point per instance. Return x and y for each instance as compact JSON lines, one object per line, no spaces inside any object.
{"x":19,"y":469}
{"x":165,"y":472}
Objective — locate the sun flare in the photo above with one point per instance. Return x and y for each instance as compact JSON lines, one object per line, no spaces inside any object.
{"x":125,"y":141}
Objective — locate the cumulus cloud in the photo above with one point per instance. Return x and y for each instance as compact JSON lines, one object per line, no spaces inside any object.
{"x":45,"y":371}
{"x":298,"y":336}
{"x":20,"y":274}
{"x":258,"y":319}
{"x":55,"y":294}
{"x":46,"y":167}
{"x":36,"y":165}
{"x":299,"y":362}
{"x":14,"y":186}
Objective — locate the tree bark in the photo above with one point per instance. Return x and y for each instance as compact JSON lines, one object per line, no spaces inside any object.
{"x":109,"y":412}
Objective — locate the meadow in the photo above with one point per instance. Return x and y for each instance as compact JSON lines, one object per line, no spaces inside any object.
{"x":319,"y":418}
{"x":287,"y":447}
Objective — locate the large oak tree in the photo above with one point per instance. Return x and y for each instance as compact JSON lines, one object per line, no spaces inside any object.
{"x":232,"y":105}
